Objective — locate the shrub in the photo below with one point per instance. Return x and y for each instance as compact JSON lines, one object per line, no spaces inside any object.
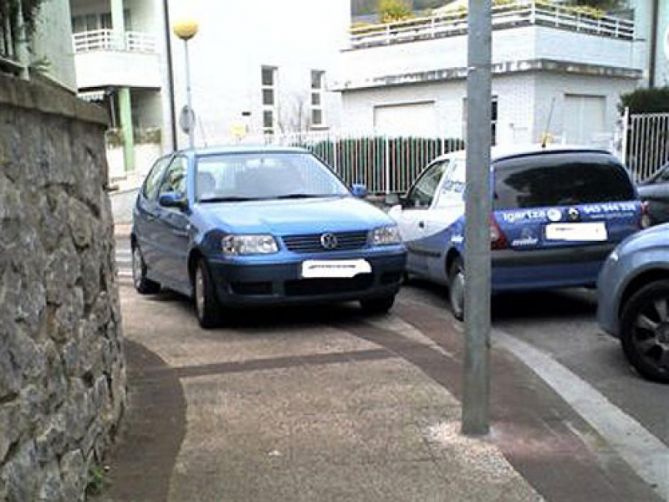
{"x":654,"y":100}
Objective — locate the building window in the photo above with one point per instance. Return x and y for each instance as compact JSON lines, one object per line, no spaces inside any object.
{"x":317,"y":89}
{"x":268,"y":81}
{"x":99,"y":21}
{"x":493,"y":119}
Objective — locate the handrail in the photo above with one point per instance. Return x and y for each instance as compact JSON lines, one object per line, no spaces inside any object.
{"x":111,"y":40}
{"x":519,"y":13}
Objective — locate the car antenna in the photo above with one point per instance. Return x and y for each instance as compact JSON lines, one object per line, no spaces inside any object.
{"x":544,"y":137}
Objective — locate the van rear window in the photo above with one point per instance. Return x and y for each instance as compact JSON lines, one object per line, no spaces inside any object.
{"x":560,"y":180}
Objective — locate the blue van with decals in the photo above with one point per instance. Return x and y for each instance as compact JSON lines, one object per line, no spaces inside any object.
{"x":557,"y":214}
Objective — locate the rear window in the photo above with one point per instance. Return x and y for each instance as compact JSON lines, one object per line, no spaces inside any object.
{"x":560,"y":180}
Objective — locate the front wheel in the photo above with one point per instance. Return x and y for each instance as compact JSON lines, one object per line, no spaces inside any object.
{"x":378,"y":305}
{"x":207,"y":306}
{"x":456,"y":288}
{"x":644,"y":331}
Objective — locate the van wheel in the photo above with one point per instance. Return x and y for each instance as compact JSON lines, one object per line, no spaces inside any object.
{"x":456,"y":288}
{"x":644,"y":331}
{"x":207,"y":306}
{"x":143,"y":285}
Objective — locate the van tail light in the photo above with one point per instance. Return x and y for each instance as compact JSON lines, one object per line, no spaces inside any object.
{"x":644,"y":220}
{"x":497,"y":237}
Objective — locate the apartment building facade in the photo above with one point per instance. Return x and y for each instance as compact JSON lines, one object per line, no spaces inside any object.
{"x":257,"y":68}
{"x":556,"y":73}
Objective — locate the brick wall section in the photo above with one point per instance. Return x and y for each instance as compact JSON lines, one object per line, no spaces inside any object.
{"x":62,"y":371}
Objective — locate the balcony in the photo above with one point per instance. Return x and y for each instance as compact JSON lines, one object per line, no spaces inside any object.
{"x":527,"y":36}
{"x":520,"y":13}
{"x":105,"y":58}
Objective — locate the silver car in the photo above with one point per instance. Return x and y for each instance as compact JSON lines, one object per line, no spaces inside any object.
{"x":633,"y":291}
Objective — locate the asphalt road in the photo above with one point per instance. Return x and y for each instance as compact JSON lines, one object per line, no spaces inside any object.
{"x":562,"y":324}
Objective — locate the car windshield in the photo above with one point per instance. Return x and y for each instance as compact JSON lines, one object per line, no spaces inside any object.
{"x":238,"y":177}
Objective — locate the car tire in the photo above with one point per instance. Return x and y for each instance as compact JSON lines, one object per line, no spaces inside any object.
{"x":456,"y":288}
{"x":377,"y":305}
{"x":143,"y":285}
{"x":644,"y":331}
{"x":207,"y":306}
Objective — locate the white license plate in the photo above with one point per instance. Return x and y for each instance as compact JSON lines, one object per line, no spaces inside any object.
{"x":325,"y":269}
{"x":591,"y":232}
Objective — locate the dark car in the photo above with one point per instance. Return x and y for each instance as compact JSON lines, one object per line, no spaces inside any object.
{"x":655,"y":193}
{"x":633,"y":303}
{"x":261,"y":226}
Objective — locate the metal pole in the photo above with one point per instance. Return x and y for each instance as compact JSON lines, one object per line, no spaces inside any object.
{"x":476,"y":379}
{"x":191,"y":129}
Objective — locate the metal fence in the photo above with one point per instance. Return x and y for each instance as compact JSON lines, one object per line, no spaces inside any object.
{"x":518,"y":13}
{"x":384,"y":163}
{"x":645,"y":143}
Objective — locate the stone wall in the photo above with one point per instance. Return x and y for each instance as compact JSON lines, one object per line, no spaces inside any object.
{"x":62,"y":371}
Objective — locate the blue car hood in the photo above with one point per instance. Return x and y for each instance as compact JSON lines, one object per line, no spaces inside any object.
{"x":297,"y":216}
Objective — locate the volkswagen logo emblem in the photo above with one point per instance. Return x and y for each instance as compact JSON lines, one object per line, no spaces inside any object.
{"x":329,"y":241}
{"x":573,"y":214}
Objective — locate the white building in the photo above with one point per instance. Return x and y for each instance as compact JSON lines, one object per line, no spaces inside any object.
{"x":257,"y":67}
{"x":652,"y":27}
{"x":554,"y":71}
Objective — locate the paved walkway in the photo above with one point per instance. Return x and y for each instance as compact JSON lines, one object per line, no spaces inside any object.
{"x":322,"y":404}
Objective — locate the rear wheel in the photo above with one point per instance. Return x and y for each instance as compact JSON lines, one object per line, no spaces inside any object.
{"x":207,"y":306}
{"x":644,"y":331}
{"x":143,"y":285}
{"x":456,"y":288}
{"x":378,"y":305}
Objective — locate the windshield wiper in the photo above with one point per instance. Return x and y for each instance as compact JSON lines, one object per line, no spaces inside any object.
{"x":229,"y":199}
{"x":305,"y":195}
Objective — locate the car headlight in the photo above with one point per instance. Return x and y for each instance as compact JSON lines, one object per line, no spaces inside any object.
{"x":235,"y":245}
{"x":384,"y":236}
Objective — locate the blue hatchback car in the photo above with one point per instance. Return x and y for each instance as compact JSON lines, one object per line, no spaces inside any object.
{"x":633,"y":293}
{"x":557,"y":214}
{"x":245,"y":226}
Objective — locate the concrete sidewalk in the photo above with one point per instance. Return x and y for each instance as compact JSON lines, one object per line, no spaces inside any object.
{"x":327,"y":404}
{"x":288,"y":412}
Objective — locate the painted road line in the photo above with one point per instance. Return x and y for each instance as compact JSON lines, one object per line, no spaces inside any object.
{"x":646,"y":454}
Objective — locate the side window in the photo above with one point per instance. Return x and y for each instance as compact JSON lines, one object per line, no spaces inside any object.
{"x":175,"y":178}
{"x":422,"y":193}
{"x":453,"y":188}
{"x":150,"y":189}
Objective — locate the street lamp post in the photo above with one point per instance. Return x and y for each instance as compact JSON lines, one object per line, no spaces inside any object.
{"x":185,"y":29}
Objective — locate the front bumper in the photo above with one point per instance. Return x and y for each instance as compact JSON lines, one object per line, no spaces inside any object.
{"x":241,"y":282}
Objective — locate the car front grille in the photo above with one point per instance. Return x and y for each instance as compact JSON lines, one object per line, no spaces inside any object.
{"x":311,"y":243}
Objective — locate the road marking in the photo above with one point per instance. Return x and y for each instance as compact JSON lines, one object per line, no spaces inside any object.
{"x":646,"y":454}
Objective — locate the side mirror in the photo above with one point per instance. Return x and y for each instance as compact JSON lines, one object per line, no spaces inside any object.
{"x":359,"y":190}
{"x":173,"y":199}
{"x":392,"y":199}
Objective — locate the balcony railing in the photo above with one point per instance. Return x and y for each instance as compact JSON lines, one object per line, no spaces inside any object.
{"x":111,"y":40}
{"x":520,"y":13}
{"x":12,"y":54}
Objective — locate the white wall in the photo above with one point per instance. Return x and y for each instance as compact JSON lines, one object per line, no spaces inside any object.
{"x":237,"y":38}
{"x":509,"y":46}
{"x":515,"y":94}
{"x":117,"y":68}
{"x":53,"y":41}
{"x":554,"y":86}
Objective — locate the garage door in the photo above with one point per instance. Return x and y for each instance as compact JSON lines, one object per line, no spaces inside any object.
{"x":407,"y":119}
{"x":584,"y":118}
